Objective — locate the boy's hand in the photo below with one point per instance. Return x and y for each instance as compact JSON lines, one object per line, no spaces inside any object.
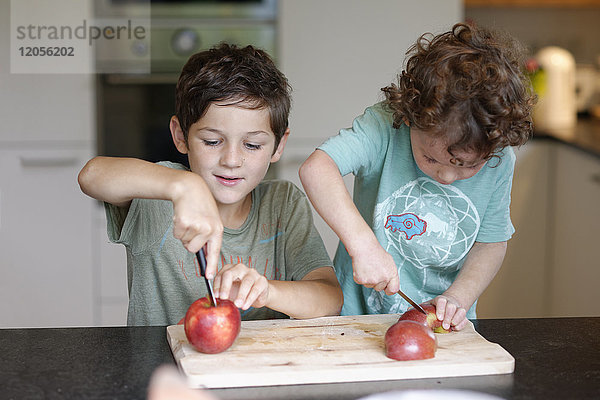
{"x":450,"y":312}
{"x":196,"y":221}
{"x":375,"y":268}
{"x":242,"y":285}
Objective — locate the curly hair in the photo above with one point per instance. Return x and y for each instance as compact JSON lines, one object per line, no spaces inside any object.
{"x":246,"y":77}
{"x":468,"y":86}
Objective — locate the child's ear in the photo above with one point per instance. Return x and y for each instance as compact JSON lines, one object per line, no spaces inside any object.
{"x":277,"y":155}
{"x":178,"y":136}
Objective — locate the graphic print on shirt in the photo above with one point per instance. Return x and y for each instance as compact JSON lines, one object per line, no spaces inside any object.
{"x":408,"y":223}
{"x":450,"y":226}
{"x":270,"y":232}
{"x":235,"y":254}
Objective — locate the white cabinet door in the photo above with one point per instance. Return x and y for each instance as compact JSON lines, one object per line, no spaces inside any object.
{"x":575,"y":245}
{"x":552,"y":266}
{"x":45,"y":239}
{"x":520,"y":288}
{"x":110,"y":266}
{"x":41,"y":108}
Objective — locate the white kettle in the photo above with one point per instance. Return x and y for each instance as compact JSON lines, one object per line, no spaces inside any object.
{"x":556,"y":110}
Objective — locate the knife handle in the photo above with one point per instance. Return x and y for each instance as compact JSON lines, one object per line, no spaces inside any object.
{"x":201,"y":256}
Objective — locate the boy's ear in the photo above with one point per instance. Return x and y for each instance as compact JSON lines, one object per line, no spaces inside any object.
{"x":178,"y":136}
{"x":277,"y":155}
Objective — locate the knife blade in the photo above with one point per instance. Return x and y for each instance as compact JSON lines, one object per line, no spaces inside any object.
{"x":201,"y":256}
{"x":412,"y":303}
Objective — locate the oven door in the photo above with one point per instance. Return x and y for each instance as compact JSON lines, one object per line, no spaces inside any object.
{"x":133,"y":119}
{"x":134,"y":109}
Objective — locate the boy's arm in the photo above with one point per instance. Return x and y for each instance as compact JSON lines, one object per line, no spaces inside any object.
{"x":481,"y":265}
{"x":196,"y":218}
{"x":373,"y":267}
{"x":318,"y":294}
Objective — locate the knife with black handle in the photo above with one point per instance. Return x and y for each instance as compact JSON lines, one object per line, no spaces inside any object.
{"x":201,"y":256}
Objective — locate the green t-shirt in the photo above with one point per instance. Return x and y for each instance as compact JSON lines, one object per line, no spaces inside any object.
{"x":278,"y":239}
{"x":427,"y":227}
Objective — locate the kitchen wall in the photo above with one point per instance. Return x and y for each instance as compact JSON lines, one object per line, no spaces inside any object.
{"x":337,"y":54}
{"x":574,"y":28}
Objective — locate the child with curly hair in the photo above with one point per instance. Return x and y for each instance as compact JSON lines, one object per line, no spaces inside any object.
{"x":433,"y":168}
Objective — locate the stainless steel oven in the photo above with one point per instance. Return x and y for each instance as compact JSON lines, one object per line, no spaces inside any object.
{"x":133,"y":109}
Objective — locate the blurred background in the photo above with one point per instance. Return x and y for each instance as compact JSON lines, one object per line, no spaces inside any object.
{"x":57,"y":267}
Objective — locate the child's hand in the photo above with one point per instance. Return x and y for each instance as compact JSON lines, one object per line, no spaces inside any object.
{"x":242,"y":285}
{"x":196,"y":220}
{"x":450,"y":312}
{"x":375,"y":268}
{"x":167,"y":383}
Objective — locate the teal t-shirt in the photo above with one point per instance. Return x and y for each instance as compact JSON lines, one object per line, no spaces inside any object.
{"x":278,"y":239}
{"x":427,"y":227}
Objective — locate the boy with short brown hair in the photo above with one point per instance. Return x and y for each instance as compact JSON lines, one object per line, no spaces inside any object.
{"x":231,"y":120}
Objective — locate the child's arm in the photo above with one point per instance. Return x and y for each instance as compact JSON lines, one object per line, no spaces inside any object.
{"x":318,"y":294}
{"x":196,"y":218}
{"x":480,"y":267}
{"x":373,"y":267}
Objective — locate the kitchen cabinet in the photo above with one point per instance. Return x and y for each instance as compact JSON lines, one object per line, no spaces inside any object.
{"x":575,"y":244}
{"x":46,"y":231}
{"x":45,"y":238}
{"x":519,"y":287}
{"x":110,"y":266}
{"x":552,"y":265}
{"x":532,"y":3}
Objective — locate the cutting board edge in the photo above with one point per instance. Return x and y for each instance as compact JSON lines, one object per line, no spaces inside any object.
{"x":176,"y":347}
{"x":388,"y":373}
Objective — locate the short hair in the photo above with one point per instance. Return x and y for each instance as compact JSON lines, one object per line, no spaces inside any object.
{"x":467,"y":85}
{"x":226,"y":73}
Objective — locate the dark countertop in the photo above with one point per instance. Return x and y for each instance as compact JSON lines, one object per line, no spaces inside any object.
{"x":555,"y":358}
{"x":585,"y":136}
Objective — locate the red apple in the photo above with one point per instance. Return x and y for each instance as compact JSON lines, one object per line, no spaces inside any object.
{"x":430,"y":320}
{"x":410,"y":340}
{"x":212,"y":329}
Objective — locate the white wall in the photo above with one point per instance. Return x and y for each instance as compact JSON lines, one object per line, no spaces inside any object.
{"x":337,"y":54}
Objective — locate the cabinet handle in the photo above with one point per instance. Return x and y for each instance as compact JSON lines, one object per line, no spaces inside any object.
{"x":48,"y":162}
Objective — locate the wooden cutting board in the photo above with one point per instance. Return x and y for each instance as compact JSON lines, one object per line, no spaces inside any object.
{"x":330,"y":349}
